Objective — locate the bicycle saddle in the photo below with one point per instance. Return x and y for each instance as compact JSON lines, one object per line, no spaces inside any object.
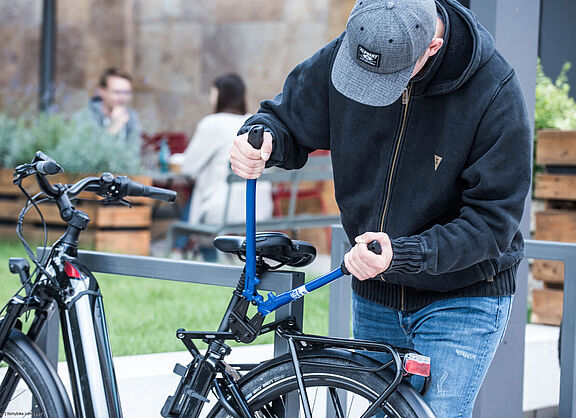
{"x":273,"y":245}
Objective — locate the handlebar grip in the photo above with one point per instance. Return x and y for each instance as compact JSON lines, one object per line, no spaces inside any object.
{"x":373,"y":246}
{"x":48,"y":167}
{"x":256,"y":136}
{"x":136,"y":189}
{"x":161,"y":194}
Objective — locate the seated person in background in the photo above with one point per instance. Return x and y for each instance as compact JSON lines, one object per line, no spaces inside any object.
{"x":109,"y":108}
{"x":206,"y":160}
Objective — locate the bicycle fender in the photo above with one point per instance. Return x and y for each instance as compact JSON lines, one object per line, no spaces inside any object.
{"x":39,"y":358}
{"x":408,"y":392}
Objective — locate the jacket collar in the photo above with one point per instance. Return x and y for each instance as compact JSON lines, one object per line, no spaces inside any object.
{"x":467,"y":46}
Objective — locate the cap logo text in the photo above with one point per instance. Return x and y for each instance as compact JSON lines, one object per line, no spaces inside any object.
{"x":367,"y":57}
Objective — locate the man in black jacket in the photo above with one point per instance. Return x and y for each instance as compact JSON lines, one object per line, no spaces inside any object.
{"x":430,"y":144}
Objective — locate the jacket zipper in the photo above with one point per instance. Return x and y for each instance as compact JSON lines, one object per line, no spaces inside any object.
{"x":405,"y":101}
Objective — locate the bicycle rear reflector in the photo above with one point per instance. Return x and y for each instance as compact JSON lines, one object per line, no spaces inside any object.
{"x":71,"y":271}
{"x":417,"y":364}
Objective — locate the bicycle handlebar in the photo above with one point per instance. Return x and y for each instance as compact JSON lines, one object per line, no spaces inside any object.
{"x":119,"y":187}
{"x":47,"y":167}
{"x":131,"y":188}
{"x":106,"y":185}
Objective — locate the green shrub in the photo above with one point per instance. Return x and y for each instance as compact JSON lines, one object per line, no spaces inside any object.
{"x":93,"y":150}
{"x":9,"y":130}
{"x":79,"y":147}
{"x":555,"y":109}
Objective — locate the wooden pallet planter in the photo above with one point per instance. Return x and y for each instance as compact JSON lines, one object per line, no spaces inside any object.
{"x":548,"y":271}
{"x":556,"y":225}
{"x":547,"y":306}
{"x":130,"y":241}
{"x":555,"y":187}
{"x":112,"y":228}
{"x":556,"y":148}
{"x":556,"y":151}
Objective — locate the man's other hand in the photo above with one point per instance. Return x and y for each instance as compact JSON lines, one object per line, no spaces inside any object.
{"x":363,"y":263}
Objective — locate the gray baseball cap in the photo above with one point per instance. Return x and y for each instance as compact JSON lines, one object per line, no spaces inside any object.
{"x":380,"y":48}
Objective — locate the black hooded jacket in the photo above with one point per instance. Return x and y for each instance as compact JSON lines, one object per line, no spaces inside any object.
{"x":444,"y":171}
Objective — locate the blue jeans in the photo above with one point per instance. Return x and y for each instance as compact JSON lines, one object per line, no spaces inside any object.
{"x":460,"y":336}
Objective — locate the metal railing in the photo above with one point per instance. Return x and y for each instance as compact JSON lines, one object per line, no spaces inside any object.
{"x":340,"y":302}
{"x":180,"y":271}
{"x":565,"y":252}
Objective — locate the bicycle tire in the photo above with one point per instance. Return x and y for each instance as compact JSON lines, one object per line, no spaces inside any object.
{"x":266,"y":390}
{"x":38,"y":392}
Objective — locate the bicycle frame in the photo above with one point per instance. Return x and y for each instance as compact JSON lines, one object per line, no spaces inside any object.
{"x":74,"y":292}
{"x":87,"y":345}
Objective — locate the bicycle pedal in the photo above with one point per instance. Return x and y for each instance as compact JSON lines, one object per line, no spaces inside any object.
{"x":180,"y":370}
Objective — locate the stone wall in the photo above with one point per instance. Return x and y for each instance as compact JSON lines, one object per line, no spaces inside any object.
{"x":174,"y":48}
{"x":19,"y":51}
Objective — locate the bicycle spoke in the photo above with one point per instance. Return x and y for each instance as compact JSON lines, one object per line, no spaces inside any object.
{"x":350,"y":407}
{"x":14,"y":397}
{"x":276,"y":408}
{"x":315,"y":397}
{"x":336,"y":402}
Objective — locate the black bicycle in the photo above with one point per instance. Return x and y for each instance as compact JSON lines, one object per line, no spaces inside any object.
{"x":320,"y":376}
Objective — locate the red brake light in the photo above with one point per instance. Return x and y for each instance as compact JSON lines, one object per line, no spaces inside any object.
{"x":417,"y":364}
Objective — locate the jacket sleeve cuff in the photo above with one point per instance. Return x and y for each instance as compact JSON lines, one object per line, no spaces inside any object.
{"x":246,"y":128}
{"x":407,"y":256}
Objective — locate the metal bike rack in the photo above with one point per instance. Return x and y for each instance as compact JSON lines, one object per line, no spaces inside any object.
{"x":179,"y":271}
{"x":340,"y":309}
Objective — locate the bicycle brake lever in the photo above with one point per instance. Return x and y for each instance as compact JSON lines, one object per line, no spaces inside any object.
{"x":21,"y":172}
{"x":114,"y":200}
{"x":125,"y":202}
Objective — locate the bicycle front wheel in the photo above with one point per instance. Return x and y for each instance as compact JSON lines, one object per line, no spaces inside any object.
{"x":334,"y":386}
{"x":27,"y":385}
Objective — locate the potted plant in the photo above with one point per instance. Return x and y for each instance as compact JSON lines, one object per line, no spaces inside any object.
{"x":82,"y":149}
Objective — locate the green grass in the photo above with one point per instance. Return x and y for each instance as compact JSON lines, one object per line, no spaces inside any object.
{"x":144,"y":314}
{"x":9,"y":283}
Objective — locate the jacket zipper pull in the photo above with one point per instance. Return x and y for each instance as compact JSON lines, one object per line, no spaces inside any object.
{"x":405,"y":96}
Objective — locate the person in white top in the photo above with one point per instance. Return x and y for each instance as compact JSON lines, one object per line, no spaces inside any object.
{"x":206,"y":159}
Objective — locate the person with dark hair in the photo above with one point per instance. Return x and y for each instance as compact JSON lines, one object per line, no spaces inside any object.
{"x":206,"y":160}
{"x":109,"y":108}
{"x":228,"y":92}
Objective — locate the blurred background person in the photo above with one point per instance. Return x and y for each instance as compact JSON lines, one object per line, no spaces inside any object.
{"x":206,"y":159}
{"x":110,"y":110}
